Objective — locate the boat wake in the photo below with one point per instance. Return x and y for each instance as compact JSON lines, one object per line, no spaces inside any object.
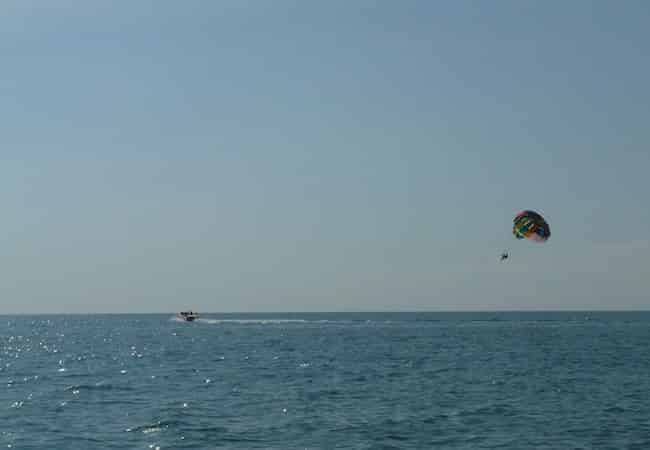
{"x":249,"y":321}
{"x":252,"y":321}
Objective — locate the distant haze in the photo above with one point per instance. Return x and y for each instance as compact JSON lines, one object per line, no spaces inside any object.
{"x":323,"y":155}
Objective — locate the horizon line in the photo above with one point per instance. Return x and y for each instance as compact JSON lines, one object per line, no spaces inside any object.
{"x":445,"y":311}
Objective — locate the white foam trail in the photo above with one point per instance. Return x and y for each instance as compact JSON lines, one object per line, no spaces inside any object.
{"x":249,"y":321}
{"x":269,"y":321}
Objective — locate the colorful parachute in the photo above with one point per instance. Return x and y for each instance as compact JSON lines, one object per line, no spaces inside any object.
{"x":529,"y":224}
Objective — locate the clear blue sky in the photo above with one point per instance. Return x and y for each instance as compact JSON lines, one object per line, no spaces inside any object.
{"x":322,"y":155}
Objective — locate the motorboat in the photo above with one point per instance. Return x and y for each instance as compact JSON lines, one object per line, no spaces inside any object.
{"x":187,"y":316}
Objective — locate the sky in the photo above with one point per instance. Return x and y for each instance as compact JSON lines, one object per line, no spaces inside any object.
{"x":249,"y":156}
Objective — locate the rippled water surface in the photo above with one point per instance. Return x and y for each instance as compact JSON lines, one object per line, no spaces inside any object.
{"x":326,"y":381}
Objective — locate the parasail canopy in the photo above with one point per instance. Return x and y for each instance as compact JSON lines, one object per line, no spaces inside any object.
{"x":531,"y":225}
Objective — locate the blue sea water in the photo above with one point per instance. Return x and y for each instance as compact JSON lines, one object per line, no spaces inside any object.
{"x":326,"y":381}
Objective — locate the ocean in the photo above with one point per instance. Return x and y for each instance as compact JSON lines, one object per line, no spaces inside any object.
{"x":569,"y":380}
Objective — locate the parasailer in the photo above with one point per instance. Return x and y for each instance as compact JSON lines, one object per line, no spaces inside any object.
{"x":529,"y":225}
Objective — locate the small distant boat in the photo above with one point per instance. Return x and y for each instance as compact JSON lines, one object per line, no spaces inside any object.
{"x":188,"y":316}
